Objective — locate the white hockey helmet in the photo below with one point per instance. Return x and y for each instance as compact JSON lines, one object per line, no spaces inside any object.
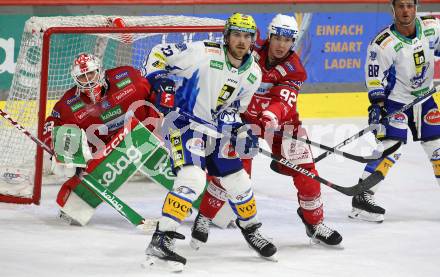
{"x":89,"y":84}
{"x":283,"y":25}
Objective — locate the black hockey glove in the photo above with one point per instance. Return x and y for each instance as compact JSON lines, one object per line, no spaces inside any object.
{"x":165,"y":90}
{"x":244,"y":142}
{"x":376,"y":113}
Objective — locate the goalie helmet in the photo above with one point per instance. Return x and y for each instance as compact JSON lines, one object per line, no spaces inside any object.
{"x":283,"y":25}
{"x":241,"y":22}
{"x":88,"y":75}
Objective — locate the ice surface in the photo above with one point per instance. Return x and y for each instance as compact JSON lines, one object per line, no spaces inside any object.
{"x":33,"y":242}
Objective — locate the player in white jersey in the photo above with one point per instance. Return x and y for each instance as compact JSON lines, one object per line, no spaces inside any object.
{"x":217,"y":84}
{"x":400,"y":67}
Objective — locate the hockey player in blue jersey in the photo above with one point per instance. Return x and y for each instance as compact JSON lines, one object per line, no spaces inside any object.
{"x":217,"y":84}
{"x":400,"y":67}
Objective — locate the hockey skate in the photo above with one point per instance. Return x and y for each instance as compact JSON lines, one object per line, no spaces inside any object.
{"x":199,"y":231}
{"x":365,"y":208}
{"x":161,"y":250}
{"x":257,"y":242}
{"x":320,"y":233}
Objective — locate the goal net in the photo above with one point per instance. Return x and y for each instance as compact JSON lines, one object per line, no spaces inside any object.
{"x":42,"y":75}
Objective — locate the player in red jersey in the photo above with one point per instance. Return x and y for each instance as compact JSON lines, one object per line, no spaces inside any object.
{"x":89,"y":114}
{"x":273,"y":107}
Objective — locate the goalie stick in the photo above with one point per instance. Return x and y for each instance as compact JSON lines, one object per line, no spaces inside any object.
{"x":373,"y":127}
{"x":92,"y":184}
{"x":363,"y":185}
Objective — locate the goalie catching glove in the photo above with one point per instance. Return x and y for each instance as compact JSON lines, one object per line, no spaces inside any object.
{"x":71,"y":150}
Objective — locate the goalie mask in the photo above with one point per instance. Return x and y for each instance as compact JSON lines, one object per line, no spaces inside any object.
{"x":88,"y":75}
{"x":285,"y":26}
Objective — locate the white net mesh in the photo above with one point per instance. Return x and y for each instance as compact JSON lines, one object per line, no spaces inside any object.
{"x":115,"y":49}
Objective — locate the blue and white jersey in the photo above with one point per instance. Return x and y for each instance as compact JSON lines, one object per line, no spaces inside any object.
{"x":401,"y":68}
{"x":209,"y":85}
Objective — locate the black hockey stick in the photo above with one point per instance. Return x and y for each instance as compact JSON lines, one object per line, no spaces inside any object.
{"x":372,"y":127}
{"x":90,"y":182}
{"x":364,"y":185}
{"x":361,"y":159}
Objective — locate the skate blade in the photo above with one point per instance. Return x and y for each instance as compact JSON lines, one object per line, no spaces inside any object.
{"x":366,"y":216}
{"x":317,"y":242}
{"x":195,"y":244}
{"x":153,"y":263}
{"x":273,"y":258}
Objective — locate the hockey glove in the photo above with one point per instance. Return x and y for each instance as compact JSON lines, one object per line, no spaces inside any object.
{"x":70,"y":146}
{"x":228,"y":120}
{"x":71,"y":150}
{"x":245,"y":142}
{"x":268,"y":121}
{"x":375,"y":115}
{"x":165,"y":90}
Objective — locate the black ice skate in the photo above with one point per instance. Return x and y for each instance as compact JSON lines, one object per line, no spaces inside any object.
{"x":320,"y":233}
{"x":161,"y":248}
{"x":365,"y":208}
{"x":256,"y":241}
{"x":200,"y":231}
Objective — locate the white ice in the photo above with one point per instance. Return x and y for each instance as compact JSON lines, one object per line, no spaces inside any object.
{"x":33,"y":242}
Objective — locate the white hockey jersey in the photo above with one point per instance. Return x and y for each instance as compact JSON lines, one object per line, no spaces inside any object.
{"x":400,"y":68}
{"x":209,"y":84}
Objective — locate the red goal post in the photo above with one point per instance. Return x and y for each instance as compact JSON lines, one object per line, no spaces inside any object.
{"x":42,"y":75}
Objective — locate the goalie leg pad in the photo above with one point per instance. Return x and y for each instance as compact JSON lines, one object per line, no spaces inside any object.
{"x":432,"y":150}
{"x":66,"y":189}
{"x":77,"y":209}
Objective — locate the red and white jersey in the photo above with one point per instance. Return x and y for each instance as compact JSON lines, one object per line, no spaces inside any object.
{"x":126,"y":95}
{"x":279,"y":87}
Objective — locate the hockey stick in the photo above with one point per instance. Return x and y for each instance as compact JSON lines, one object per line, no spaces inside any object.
{"x":364,"y":185}
{"x":372,"y":127}
{"x":92,"y":184}
{"x":362,"y":159}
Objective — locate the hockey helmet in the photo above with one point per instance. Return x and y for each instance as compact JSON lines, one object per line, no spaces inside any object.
{"x":88,"y":75}
{"x":283,"y":25}
{"x":241,"y":22}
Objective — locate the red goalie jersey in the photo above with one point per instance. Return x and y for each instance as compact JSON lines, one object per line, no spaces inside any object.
{"x":125,"y":93}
